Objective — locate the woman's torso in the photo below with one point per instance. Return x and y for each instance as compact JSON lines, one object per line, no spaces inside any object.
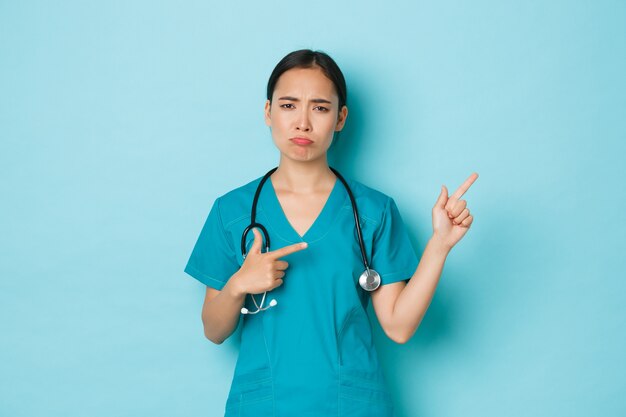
{"x":313,"y":353}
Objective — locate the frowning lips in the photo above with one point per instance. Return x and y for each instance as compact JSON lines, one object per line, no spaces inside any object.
{"x":301,"y":140}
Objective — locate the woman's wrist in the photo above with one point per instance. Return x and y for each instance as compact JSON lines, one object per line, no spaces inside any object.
{"x":233,"y":288}
{"x":439,"y":245}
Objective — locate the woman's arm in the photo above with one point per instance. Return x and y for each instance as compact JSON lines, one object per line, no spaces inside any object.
{"x":260,"y":272}
{"x":221,"y":311}
{"x":400,"y":307}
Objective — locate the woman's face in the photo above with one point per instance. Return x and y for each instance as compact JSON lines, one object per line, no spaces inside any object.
{"x":304,"y":105}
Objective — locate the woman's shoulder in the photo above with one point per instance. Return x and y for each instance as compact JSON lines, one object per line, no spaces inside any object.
{"x":367,"y":190}
{"x":237,"y":202}
{"x":241,"y":192}
{"x":368,"y":193}
{"x":370,"y":201}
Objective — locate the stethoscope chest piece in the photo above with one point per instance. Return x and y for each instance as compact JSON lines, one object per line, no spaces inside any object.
{"x":369,"y":280}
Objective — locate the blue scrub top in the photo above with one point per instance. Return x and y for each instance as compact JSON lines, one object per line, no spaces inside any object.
{"x":313,"y":353}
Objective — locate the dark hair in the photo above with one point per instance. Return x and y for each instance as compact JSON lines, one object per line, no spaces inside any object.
{"x":306,"y":58}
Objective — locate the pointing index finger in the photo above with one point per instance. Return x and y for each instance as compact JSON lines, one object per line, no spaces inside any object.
{"x":465,"y":186}
{"x":279,"y":253}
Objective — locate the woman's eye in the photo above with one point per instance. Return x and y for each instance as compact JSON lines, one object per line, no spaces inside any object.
{"x":321,"y":108}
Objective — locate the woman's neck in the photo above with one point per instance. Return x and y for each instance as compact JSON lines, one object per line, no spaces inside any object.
{"x":303,"y":177}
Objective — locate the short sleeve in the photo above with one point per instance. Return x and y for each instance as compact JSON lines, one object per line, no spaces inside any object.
{"x":212,"y":259}
{"x":393,"y":256}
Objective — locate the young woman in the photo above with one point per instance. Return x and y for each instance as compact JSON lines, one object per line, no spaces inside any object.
{"x":310,"y":352}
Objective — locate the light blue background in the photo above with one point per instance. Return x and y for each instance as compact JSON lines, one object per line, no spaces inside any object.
{"x":121,"y":122}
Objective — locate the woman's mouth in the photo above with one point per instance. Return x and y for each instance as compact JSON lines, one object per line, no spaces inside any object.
{"x":301,"y":141}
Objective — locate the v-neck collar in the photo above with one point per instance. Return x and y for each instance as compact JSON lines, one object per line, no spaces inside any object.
{"x":275,"y":215}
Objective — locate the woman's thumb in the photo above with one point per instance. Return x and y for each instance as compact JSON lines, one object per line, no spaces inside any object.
{"x":443,"y":197}
{"x":258,"y":241}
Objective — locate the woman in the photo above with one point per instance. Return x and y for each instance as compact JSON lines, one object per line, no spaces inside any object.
{"x":312,"y":352}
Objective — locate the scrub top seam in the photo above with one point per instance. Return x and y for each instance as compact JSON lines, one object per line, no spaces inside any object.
{"x":339,"y":393}
{"x":386,"y":276}
{"x":243,"y":216}
{"x":206,"y":279}
{"x":361,"y":216}
{"x":268,"y":225}
{"x":368,"y":219}
{"x":269,"y":361}
{"x":221,"y":222}
{"x":273,"y":197}
{"x":329,"y":228}
{"x":341,"y":330}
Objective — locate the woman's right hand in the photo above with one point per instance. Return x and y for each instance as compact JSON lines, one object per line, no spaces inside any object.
{"x":262,"y":272}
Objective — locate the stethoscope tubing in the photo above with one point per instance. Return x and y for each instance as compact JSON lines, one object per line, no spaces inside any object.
{"x":253,"y":222}
{"x":356,"y":217}
{"x":369,"y":280}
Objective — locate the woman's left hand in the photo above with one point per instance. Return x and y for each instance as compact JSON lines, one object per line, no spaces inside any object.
{"x":451,"y":217}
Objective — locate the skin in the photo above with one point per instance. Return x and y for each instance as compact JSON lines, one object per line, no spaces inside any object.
{"x":303,"y":182}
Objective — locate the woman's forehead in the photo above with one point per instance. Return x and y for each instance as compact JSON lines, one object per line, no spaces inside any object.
{"x":305,"y":81}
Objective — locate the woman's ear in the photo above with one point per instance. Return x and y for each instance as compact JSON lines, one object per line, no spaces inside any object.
{"x":268,"y":114}
{"x":341,"y":118}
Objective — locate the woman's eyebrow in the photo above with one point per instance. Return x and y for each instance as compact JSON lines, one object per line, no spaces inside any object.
{"x":314,"y":100}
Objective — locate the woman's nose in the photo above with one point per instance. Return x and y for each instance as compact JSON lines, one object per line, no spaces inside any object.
{"x":303,"y":121}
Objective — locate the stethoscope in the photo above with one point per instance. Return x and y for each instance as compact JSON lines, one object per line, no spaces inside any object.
{"x":369,"y":279}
